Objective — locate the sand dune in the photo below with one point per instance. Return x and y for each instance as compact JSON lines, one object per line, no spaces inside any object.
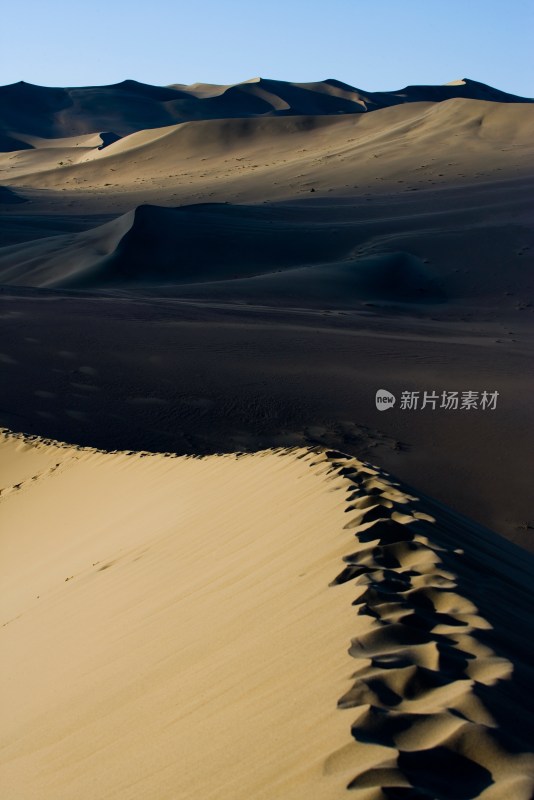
{"x":174,"y":627}
{"x":281,"y":157}
{"x":129,"y":106}
{"x":286,"y":254}
{"x":219,"y":242}
{"x":187,"y":244}
{"x":247,"y":281}
{"x":288,"y":157}
{"x":236,"y":269}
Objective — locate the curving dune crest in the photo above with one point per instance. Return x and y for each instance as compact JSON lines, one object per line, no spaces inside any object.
{"x":224,"y":246}
{"x":174,"y":627}
{"x":273,"y":254}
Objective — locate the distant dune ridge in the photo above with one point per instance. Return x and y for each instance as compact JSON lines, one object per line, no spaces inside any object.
{"x":174,"y":628}
{"x":132,"y":106}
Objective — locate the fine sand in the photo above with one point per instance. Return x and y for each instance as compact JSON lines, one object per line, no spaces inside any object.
{"x":283,"y":624}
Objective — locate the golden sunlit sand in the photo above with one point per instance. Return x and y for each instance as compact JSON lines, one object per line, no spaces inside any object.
{"x":181,"y":627}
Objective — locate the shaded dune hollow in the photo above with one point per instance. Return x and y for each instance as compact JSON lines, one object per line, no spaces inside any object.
{"x":289,"y":623}
{"x":227,"y":251}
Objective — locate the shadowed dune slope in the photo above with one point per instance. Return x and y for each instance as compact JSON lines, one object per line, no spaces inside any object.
{"x":210,"y":243}
{"x":288,"y":254}
{"x":287,"y":623}
{"x":9,"y":197}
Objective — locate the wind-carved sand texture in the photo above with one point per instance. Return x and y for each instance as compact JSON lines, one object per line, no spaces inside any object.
{"x":424,"y":664}
{"x":182,"y":627}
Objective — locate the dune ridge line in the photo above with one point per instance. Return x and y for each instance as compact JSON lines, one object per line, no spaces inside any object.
{"x":433,"y":679}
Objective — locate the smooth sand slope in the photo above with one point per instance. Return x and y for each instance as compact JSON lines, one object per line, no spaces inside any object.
{"x":420,"y":145}
{"x":185,"y":627}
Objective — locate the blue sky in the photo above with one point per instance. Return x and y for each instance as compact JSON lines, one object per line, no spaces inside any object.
{"x":372,"y":44}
